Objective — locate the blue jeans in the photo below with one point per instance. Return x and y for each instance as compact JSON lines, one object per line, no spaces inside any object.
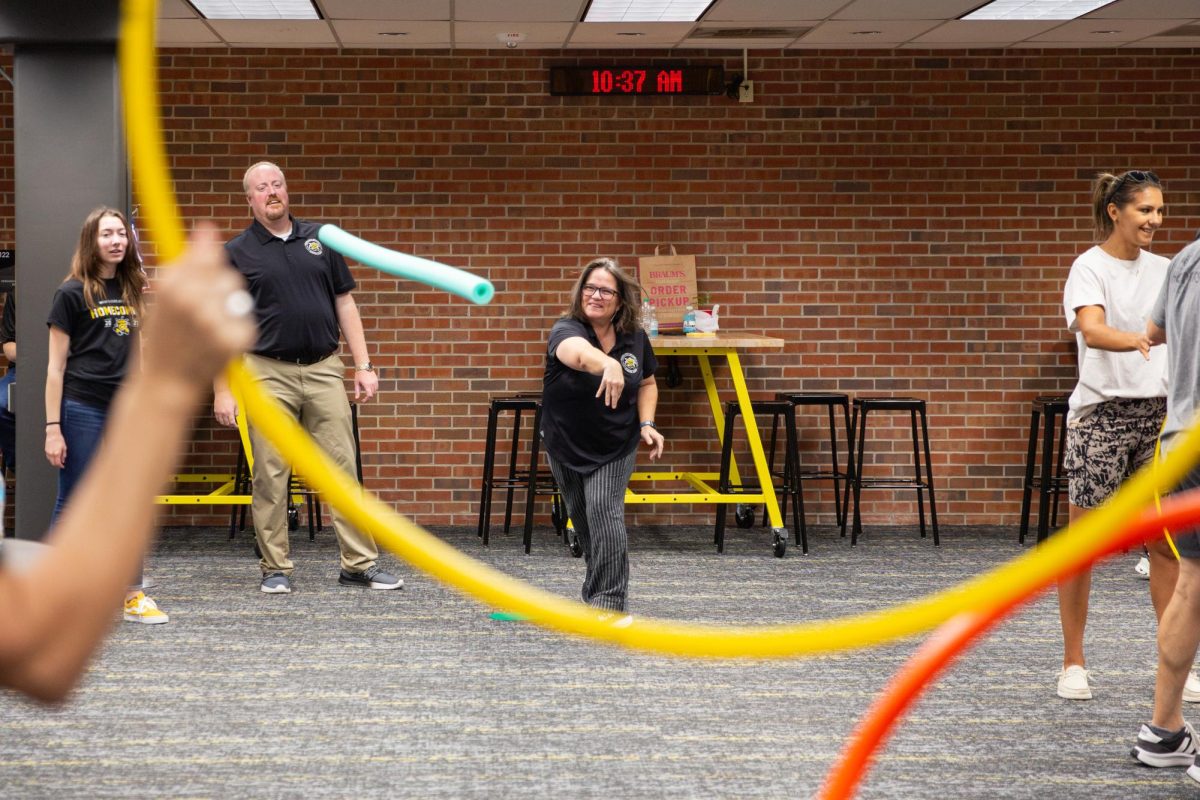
{"x":8,"y":423}
{"x":82,"y":427}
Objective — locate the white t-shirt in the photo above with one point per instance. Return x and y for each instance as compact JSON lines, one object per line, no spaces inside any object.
{"x":1127,"y":291}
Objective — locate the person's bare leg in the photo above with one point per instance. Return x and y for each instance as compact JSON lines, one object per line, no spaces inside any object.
{"x":1178,"y":636}
{"x":1164,"y":570}
{"x":1073,"y":606}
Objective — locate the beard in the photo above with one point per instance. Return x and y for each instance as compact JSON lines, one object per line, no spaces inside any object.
{"x":274,"y":211}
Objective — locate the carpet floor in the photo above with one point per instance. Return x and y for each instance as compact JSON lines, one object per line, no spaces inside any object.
{"x":334,"y":691}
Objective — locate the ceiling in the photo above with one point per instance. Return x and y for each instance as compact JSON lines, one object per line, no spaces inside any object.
{"x":738,"y":24}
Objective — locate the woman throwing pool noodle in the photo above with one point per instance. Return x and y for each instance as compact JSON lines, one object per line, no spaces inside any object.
{"x":598,"y":403}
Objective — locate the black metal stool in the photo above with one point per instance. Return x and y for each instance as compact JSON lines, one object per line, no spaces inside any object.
{"x":1049,"y":415}
{"x":789,"y":485}
{"x":533,"y":480}
{"x":243,"y":484}
{"x":914,"y":407}
{"x":830,"y":400}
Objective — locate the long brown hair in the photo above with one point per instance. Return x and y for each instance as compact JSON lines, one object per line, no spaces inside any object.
{"x":629,"y":293}
{"x":1120,"y":190}
{"x":86,"y":263}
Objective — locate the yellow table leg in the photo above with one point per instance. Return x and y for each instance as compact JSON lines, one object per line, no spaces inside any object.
{"x":718,"y":412}
{"x":756,"y":449}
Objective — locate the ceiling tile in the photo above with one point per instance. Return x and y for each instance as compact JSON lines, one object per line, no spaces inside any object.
{"x":1085,"y":31}
{"x":387,"y":9}
{"x":369,"y":33}
{"x":172,"y":32}
{"x":1169,"y":41}
{"x":274,"y":33}
{"x":519,"y":10}
{"x":175,"y":9}
{"x":537,"y":34}
{"x":907,"y":9}
{"x":737,"y":44}
{"x":653,"y":33}
{"x":986,"y":32}
{"x":772,"y":10}
{"x":1147,"y":9}
{"x":846,"y":32}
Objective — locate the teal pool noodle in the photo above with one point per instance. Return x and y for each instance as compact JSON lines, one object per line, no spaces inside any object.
{"x":439,"y":276}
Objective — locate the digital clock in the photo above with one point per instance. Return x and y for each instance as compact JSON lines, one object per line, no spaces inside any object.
{"x":637,"y":80}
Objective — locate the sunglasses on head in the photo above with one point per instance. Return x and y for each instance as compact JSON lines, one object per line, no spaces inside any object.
{"x":1136,"y":176}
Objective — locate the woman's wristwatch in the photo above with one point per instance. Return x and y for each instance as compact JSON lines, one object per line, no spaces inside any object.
{"x":367,"y":367}
{"x":648,"y":424}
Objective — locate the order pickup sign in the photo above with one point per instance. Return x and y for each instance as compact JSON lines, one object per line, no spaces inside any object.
{"x":669,"y":283}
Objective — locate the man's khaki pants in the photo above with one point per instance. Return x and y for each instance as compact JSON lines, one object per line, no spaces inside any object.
{"x":316,"y":396}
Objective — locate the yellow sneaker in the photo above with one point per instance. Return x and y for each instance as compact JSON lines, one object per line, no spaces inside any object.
{"x":140,"y":608}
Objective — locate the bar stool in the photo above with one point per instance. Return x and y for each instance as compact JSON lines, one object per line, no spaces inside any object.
{"x":533,"y":480}
{"x":830,"y":400}
{"x":789,"y":485}
{"x":1049,"y":414}
{"x":914,"y":407}
{"x":243,"y":484}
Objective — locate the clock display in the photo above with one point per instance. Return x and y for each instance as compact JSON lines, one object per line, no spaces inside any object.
{"x":636,"y":80}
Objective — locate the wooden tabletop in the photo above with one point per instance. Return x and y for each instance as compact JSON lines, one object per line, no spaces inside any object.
{"x":743,"y":340}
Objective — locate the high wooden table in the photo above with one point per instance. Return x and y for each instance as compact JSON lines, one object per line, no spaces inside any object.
{"x":727,"y":345}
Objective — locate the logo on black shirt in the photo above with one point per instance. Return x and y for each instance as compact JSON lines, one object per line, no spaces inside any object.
{"x":629,"y":363}
{"x":314,"y":247}
{"x":122,"y":327}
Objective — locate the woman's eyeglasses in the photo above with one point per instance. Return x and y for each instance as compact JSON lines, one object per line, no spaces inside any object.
{"x":605,"y":294}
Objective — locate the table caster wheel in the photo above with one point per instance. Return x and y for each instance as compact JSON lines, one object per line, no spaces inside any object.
{"x":576,"y":547}
{"x":743,"y":515}
{"x":780,"y":543}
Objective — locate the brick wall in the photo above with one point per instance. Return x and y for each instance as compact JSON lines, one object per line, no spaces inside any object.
{"x":905,"y":221}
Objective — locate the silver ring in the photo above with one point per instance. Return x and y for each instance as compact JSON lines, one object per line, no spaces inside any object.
{"x":239,"y":303}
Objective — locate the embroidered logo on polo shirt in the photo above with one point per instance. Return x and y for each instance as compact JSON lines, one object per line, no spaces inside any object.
{"x":314,"y":247}
{"x":629,"y":363}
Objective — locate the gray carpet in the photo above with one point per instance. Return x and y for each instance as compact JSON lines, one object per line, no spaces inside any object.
{"x":335,"y":692}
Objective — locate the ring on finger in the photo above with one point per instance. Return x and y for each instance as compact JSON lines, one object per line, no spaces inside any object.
{"x":239,"y":303}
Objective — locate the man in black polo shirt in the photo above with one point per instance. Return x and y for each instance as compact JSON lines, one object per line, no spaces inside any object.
{"x":302,"y":298}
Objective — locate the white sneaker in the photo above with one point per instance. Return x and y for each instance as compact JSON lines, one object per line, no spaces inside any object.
{"x":1143,"y":569}
{"x":1191,"y":689}
{"x":1073,"y":683}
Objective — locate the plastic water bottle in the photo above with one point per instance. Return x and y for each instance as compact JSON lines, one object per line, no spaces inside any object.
{"x":689,"y":319}
{"x":652,"y":328}
{"x":646,"y":316}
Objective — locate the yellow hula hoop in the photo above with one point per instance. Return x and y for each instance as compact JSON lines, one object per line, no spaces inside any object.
{"x":1018,"y":578}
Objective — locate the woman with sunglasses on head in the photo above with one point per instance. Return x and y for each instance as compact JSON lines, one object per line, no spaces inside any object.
{"x":1119,"y":402}
{"x":598,"y":403}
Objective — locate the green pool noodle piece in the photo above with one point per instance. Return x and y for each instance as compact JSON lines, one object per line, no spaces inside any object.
{"x":507,"y":616}
{"x":439,"y":276}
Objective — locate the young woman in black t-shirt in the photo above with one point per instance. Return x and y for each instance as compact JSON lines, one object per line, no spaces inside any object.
{"x":598,"y":403}
{"x":93,"y":323}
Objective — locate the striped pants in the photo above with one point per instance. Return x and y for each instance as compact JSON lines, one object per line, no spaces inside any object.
{"x":596,"y":504}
